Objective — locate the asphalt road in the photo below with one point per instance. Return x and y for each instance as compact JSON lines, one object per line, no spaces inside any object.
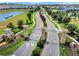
{"x":27,"y":48}
{"x":51,"y":47}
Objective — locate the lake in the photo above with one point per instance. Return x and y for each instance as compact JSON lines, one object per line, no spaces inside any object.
{"x":8,"y":15}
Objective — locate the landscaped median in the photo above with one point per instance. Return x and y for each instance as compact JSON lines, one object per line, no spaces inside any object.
{"x":40,"y":44}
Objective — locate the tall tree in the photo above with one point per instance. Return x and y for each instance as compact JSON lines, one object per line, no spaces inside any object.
{"x":20,"y":23}
{"x":66,"y":20}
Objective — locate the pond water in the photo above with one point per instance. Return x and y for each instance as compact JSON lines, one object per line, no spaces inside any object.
{"x":8,"y":15}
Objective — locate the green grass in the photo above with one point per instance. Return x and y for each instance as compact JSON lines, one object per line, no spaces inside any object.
{"x":1,"y":32}
{"x":29,"y":31}
{"x":65,"y":50}
{"x":75,"y":22}
{"x":36,"y":51}
{"x":40,"y":45}
{"x":31,"y":26}
{"x":16,"y":30}
{"x":10,"y":50}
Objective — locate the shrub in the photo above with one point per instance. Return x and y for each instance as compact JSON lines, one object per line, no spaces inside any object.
{"x":36,"y":51}
{"x":71,"y":27}
{"x":16,"y":30}
{"x":9,"y":40}
{"x":40,"y":44}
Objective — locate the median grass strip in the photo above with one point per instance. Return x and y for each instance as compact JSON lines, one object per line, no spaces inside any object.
{"x":40,"y":45}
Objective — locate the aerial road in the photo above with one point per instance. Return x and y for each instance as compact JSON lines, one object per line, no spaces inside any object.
{"x":51,"y":47}
{"x":27,"y":48}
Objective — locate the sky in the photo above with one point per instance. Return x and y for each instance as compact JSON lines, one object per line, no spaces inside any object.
{"x":42,"y":2}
